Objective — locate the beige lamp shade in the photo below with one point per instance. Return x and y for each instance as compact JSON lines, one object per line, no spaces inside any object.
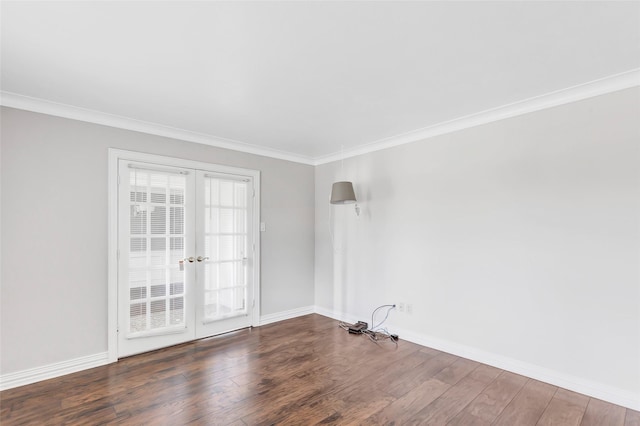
{"x":342,"y":193}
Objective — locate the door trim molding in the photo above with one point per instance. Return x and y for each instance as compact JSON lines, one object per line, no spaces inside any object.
{"x":115,"y":155}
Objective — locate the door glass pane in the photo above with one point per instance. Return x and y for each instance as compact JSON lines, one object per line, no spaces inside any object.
{"x":156,"y":243}
{"x":226,"y":192}
{"x":225,"y":225}
{"x":225,"y":275}
{"x":225,"y":247}
{"x":226,"y":220}
{"x":176,"y":310}
{"x":158,"y":313}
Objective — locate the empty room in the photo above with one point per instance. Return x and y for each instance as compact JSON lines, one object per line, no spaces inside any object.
{"x":320,"y":212}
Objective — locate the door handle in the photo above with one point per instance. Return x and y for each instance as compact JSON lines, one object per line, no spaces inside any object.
{"x":200,"y":258}
{"x":190,"y":259}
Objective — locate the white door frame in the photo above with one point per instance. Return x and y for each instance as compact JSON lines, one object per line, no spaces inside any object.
{"x":115,"y":155}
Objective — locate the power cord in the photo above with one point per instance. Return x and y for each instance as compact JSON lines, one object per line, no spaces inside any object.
{"x":374,"y":327}
{"x":376,"y":333}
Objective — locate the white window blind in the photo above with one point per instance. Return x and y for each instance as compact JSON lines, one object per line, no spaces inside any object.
{"x":226,"y":246}
{"x":156,"y":246}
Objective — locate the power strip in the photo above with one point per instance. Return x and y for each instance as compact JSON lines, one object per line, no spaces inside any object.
{"x":358,"y":327}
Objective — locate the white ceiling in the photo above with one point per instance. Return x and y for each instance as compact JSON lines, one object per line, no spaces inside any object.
{"x":306,"y":78}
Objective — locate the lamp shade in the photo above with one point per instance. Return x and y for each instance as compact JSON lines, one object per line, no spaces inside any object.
{"x":342,"y":193}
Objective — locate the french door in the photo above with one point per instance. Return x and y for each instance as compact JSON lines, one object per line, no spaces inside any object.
{"x":185,"y":254}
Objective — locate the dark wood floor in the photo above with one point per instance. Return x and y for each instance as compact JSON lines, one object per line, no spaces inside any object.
{"x":301,"y":371}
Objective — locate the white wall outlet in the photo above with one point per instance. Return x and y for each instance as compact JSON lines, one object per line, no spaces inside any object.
{"x":263,"y":227}
{"x":401,"y":306}
{"x":409,"y":308}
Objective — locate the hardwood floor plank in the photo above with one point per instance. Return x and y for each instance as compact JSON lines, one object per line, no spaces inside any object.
{"x":179,"y":401}
{"x":346,"y":381}
{"x":632,"y":418}
{"x":528,"y":405}
{"x":319,"y":410}
{"x":301,"y":371}
{"x":319,"y":378}
{"x":285,"y":399}
{"x":486,"y":407}
{"x":566,"y":408}
{"x":429,"y":351}
{"x":403,"y":408}
{"x":465,"y":418}
{"x":89,"y":416}
{"x":351,"y":407}
{"x":454,"y":400}
{"x":278,"y":393}
{"x":600,"y":413}
{"x":233,"y":405}
{"x":369,"y":381}
{"x":453,"y":373}
{"x":405,"y":381}
{"x":113,"y":386}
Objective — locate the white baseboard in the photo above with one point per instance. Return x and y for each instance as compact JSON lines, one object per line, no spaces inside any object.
{"x":32,"y":375}
{"x":577,"y":384}
{"x":573,"y":383}
{"x":339,"y":316}
{"x":37,"y":374}
{"x":285,"y":315}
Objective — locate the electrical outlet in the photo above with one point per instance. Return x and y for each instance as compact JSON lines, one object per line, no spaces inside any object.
{"x":401,"y":306}
{"x":409,"y":308}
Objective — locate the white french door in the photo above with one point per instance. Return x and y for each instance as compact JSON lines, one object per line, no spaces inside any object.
{"x":223,"y":232}
{"x":185,"y":254}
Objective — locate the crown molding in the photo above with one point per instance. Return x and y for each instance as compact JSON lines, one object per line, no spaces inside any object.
{"x":14,"y":100}
{"x":579,"y":92}
{"x":593,"y":88}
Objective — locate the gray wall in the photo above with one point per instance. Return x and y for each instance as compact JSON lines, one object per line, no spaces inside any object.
{"x":518,"y":238}
{"x":54,"y":232}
